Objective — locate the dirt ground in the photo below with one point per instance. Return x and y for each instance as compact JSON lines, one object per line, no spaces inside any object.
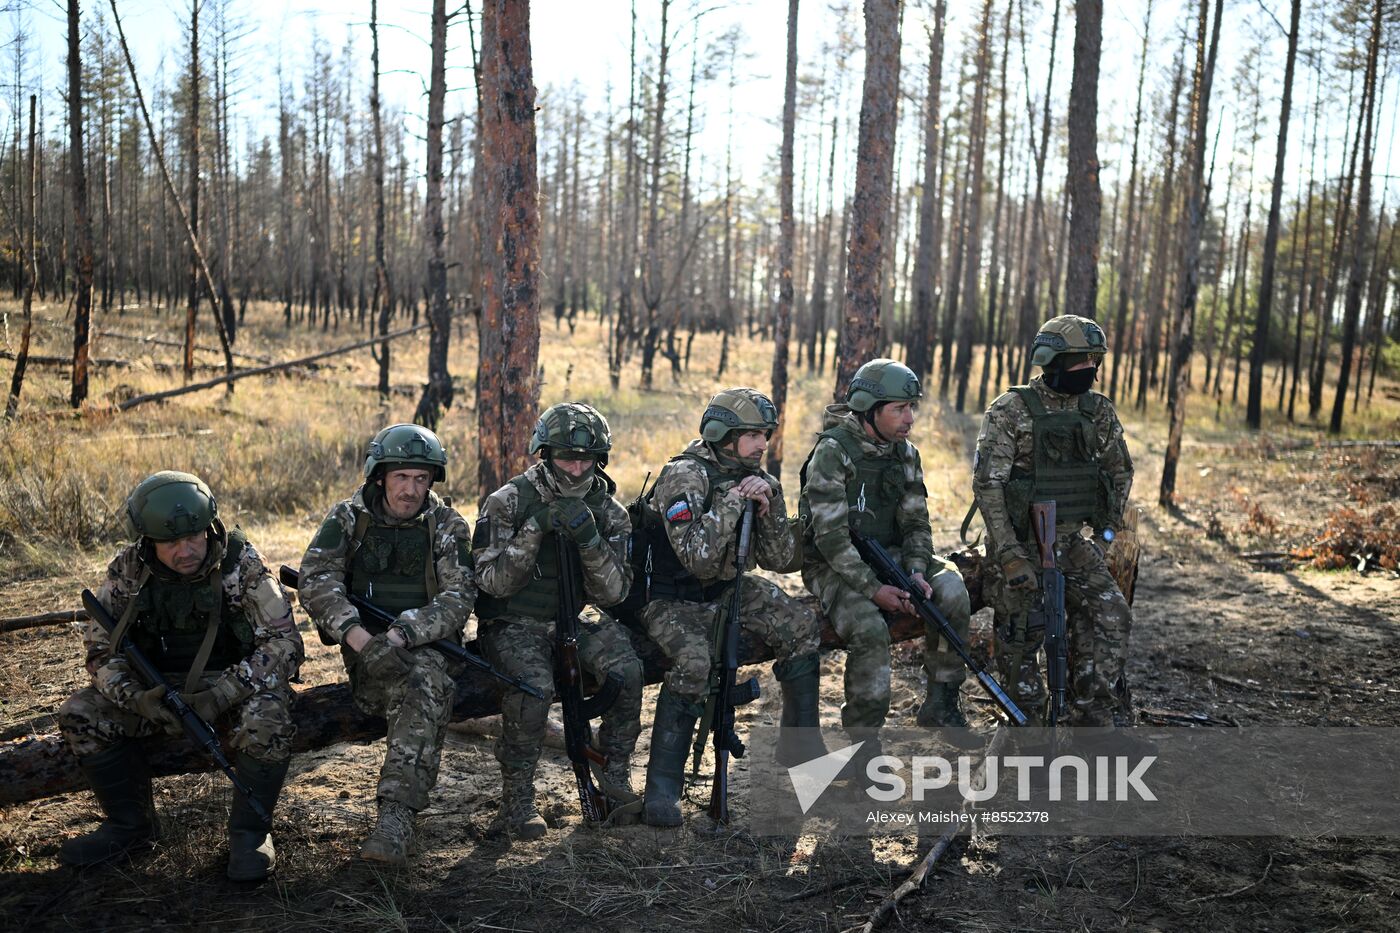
{"x":1221,"y":640}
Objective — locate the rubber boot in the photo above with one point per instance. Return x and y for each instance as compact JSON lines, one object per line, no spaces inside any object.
{"x":518,"y":815}
{"x":121,"y":782}
{"x":251,"y":855}
{"x":800,"y":739}
{"x":392,"y":835}
{"x":943,"y":708}
{"x":671,"y":731}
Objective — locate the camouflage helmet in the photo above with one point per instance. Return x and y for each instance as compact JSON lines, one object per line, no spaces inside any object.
{"x":573,"y":426}
{"x":406,"y":445}
{"x":169,"y":505}
{"x":1068,"y":333}
{"x":737,"y":410}
{"x":882,"y":381}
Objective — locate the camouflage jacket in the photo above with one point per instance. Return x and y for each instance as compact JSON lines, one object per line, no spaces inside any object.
{"x":829,"y":471}
{"x":506,"y":560}
{"x":1006,"y":441}
{"x":322,"y":591}
{"x":705,"y":541}
{"x":249,"y":588}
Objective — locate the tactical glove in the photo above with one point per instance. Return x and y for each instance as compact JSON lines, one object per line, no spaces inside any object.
{"x":574,"y":518}
{"x":385,"y":660}
{"x":1020,"y":573}
{"x":212,"y":703}
{"x":150,"y":705}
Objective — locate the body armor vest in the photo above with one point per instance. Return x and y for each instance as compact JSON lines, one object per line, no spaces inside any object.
{"x":171,"y":617}
{"x":1064,"y":468}
{"x":539,"y":597}
{"x":392,"y":565}
{"x":873,"y":494}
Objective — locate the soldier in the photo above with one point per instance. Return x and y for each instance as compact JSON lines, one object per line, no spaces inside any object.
{"x":1056,"y":439}
{"x":199,"y":603}
{"x":566,"y":497}
{"x":864,"y":475}
{"x":397,"y":544}
{"x":699,"y":501}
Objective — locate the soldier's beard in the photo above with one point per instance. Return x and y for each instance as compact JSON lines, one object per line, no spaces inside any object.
{"x":573,"y":487}
{"x":730,"y":460}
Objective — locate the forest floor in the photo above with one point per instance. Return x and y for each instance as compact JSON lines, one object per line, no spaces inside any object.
{"x":1235,"y":621}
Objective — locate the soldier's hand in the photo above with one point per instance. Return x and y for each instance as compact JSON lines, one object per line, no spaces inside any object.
{"x":575,"y":518}
{"x":150,"y":705}
{"x":756,"y":488}
{"x":1020,"y":573}
{"x":206,"y":704}
{"x":383,"y":659}
{"x":892,"y":599}
{"x":924,"y":587}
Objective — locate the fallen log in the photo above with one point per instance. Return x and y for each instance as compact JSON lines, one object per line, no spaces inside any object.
{"x":43,"y":618}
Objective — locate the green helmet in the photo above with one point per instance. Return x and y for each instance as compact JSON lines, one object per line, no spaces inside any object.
{"x":1068,"y":333}
{"x":882,"y":381}
{"x":737,"y":410}
{"x":575,"y":427}
{"x":169,"y":505}
{"x":406,"y":445}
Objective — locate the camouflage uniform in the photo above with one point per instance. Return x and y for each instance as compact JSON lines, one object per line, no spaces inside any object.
{"x":417,"y":704}
{"x":257,"y":687}
{"x":704,"y":540}
{"x":1098,"y":617}
{"x":519,"y":640}
{"x":845,"y":585}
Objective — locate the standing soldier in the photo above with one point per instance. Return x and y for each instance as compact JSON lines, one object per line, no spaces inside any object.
{"x":863,"y":475}
{"x":1055,"y":439}
{"x":564,"y":500}
{"x":699,"y":500}
{"x":395,"y":544}
{"x":197,"y":600}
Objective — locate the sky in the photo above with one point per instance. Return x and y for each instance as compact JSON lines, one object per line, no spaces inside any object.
{"x":585,"y":43}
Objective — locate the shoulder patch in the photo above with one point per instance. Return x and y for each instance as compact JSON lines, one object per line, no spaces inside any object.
{"x":330,"y":534}
{"x":679,"y":511}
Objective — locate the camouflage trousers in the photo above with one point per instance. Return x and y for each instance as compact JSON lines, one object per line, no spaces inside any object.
{"x":684,"y":631}
{"x":863,"y":628}
{"x":524,"y":647}
{"x":417,"y":706}
{"x":262,"y":724}
{"x":1098,"y":621}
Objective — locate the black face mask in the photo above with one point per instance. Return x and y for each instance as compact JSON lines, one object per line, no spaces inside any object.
{"x":1071,"y":383}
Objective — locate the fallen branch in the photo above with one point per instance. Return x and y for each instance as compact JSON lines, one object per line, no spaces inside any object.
{"x":1237,"y":891}
{"x":44,"y":618}
{"x":108,"y":362}
{"x":264,"y":370}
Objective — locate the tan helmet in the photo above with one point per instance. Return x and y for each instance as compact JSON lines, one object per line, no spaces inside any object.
{"x":1068,"y":333}
{"x":573,"y":426}
{"x":740,"y":409}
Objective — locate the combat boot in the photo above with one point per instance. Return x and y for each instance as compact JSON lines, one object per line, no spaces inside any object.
{"x":518,"y":815}
{"x":800,"y":738}
{"x":943,"y":709}
{"x":121,"y":782}
{"x":251,"y":855}
{"x":392,"y":835}
{"x":624,"y":806}
{"x":671,"y":730}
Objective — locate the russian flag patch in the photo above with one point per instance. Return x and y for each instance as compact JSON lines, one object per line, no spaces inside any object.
{"x":679,"y":511}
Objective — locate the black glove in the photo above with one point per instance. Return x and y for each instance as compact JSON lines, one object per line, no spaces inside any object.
{"x":574,"y":518}
{"x":385,"y":660}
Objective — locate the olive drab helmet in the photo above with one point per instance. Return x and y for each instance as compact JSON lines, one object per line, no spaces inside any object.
{"x":575,"y":427}
{"x":882,"y":381}
{"x":169,"y":505}
{"x":406,"y":445}
{"x":737,"y":410}
{"x":1067,"y":334}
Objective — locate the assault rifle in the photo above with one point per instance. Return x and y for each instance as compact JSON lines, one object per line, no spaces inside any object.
{"x":196,"y":729}
{"x":369,"y":612}
{"x":889,"y":572}
{"x":725,"y":693}
{"x":568,"y":681}
{"x":1049,"y":610}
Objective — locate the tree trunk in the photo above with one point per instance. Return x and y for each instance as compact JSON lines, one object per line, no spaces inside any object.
{"x":972,"y":239}
{"x":1082,"y":172}
{"x":782,"y":325}
{"x":31,"y":270}
{"x":870,"y":206}
{"x":507,"y":372}
{"x":1127,"y":270}
{"x":1030,"y":298}
{"x":437,"y":394}
{"x":928,"y":258}
{"x":192,"y":308}
{"x":82,"y":223}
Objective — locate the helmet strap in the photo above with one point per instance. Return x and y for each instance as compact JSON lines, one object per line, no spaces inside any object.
{"x":868,"y":416}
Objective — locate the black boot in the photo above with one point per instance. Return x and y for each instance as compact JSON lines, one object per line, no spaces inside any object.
{"x":943,"y":709}
{"x":121,"y":781}
{"x":800,"y":739}
{"x":670,"y":741}
{"x":251,"y":856}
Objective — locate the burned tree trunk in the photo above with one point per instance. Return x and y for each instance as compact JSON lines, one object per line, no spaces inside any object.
{"x":972,"y":238}
{"x":507,"y":380}
{"x":928,"y":257}
{"x":782,"y":325}
{"x":82,"y":223}
{"x":870,"y":205}
{"x":192,"y":309}
{"x":31,"y":272}
{"x":437,"y":393}
{"x":1082,"y":251}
